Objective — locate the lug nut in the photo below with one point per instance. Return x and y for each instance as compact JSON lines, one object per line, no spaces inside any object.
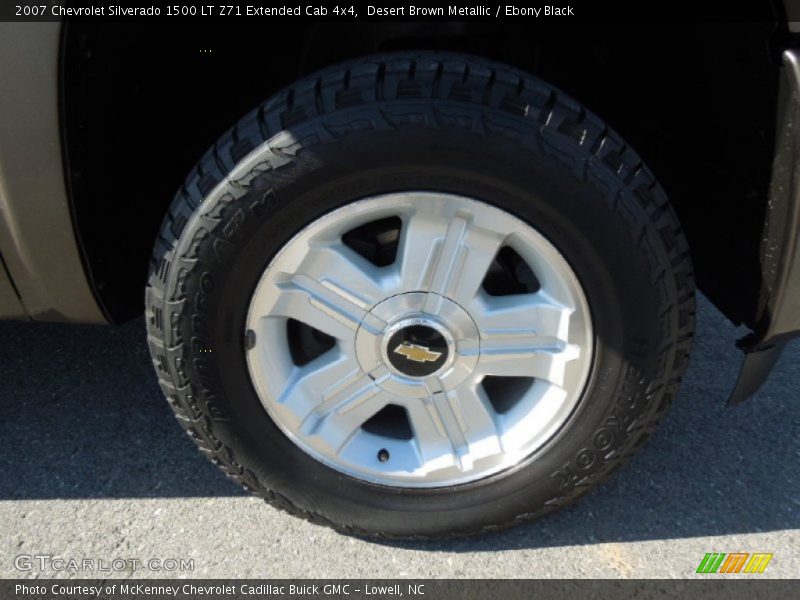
{"x":249,"y":339}
{"x":383,"y":455}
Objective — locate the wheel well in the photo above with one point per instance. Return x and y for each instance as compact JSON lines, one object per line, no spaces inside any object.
{"x":697,"y":102}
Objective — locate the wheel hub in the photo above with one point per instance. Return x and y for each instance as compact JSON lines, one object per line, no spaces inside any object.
{"x":429,"y":344}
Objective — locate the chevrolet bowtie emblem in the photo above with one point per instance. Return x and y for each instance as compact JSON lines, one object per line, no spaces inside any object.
{"x":417,"y":353}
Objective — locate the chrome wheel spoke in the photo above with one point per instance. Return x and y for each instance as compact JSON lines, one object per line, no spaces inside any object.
{"x":311,"y":384}
{"x":536,"y":312}
{"x":447,"y":257}
{"x":459,"y":424}
{"x":339,"y":268}
{"x":337,"y":418}
{"x":524,"y":336}
{"x":333,"y":399}
{"x":332,"y":292}
{"x":523,"y":354}
{"x":324,"y":308}
{"x":420,"y":240}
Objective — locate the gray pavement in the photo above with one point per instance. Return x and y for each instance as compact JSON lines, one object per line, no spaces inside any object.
{"x":93,"y":465}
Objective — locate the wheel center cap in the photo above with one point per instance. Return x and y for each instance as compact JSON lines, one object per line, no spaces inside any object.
{"x":417,"y":347}
{"x":411,"y":352}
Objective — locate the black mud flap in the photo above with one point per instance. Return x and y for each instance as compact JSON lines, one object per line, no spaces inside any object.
{"x":778,"y":318}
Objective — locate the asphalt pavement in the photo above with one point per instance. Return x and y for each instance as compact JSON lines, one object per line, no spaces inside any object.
{"x":94,"y":466}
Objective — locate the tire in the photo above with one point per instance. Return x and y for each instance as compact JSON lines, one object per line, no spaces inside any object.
{"x":448,"y":124}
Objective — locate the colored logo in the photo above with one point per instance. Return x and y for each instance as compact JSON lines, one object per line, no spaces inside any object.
{"x":735,"y":562}
{"x":417,"y":353}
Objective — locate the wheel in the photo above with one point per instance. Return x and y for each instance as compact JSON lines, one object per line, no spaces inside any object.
{"x":420,"y":295}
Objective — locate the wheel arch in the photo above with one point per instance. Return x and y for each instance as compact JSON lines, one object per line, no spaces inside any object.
{"x":140,"y":107}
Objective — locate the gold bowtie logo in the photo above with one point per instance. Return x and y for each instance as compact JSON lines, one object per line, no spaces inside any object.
{"x":417,"y":353}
